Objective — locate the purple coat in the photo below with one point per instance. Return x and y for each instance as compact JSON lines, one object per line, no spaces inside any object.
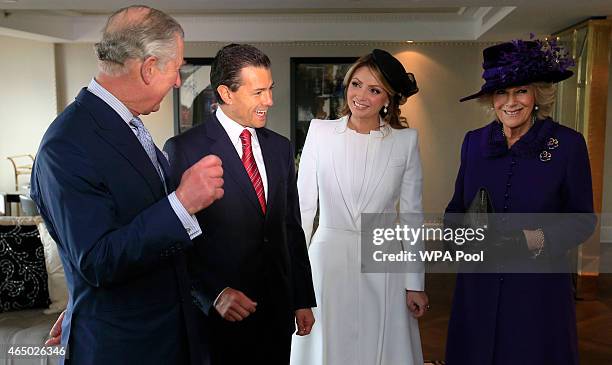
{"x":521,"y":318}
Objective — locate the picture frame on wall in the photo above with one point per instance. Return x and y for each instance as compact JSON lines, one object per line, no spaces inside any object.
{"x":316,"y":92}
{"x":195,"y":100}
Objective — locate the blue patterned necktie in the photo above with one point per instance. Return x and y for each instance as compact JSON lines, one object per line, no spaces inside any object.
{"x":146,"y":141}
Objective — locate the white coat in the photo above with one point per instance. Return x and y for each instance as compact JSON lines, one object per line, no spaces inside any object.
{"x":361,"y":318}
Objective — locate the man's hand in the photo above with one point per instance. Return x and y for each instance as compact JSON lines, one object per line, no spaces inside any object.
{"x":234,"y":306}
{"x":417,"y":302}
{"x":201,"y":184}
{"x":55,"y":335}
{"x":304,"y":321}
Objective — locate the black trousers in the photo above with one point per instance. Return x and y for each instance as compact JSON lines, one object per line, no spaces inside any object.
{"x":258,"y":339}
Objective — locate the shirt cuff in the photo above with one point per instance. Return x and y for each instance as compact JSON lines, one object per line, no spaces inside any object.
{"x":189,"y":221}
{"x":217,"y":298}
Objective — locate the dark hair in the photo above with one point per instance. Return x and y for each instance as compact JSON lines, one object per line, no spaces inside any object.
{"x":392,"y":116}
{"x":229,"y":62}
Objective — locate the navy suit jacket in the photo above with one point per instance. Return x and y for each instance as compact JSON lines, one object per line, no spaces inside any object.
{"x":264,"y":256}
{"x":121,"y":243}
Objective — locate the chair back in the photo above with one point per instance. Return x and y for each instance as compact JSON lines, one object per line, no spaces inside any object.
{"x":28,"y":207}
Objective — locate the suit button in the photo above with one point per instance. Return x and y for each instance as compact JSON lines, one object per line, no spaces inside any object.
{"x":266,"y":240}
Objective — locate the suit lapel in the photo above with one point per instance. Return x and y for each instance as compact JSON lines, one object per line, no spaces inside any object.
{"x":232,"y":165}
{"x":273,"y":172}
{"x":339,"y":158}
{"x":381,"y":148}
{"x":118,"y":134}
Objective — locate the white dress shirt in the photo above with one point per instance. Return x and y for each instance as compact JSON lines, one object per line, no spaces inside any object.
{"x":233,"y":130}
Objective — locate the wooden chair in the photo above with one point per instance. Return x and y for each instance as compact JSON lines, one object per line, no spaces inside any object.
{"x":22,"y":164}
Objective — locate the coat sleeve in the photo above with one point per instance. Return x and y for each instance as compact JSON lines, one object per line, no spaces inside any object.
{"x":577,"y":221}
{"x":456,"y":204}
{"x":303,"y":289}
{"x":307,"y":180}
{"x":206,"y":287}
{"x":81,"y":213}
{"x":411,"y":206}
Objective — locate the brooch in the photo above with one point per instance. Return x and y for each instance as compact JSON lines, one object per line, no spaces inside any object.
{"x":545,"y":156}
{"x":552,"y":143}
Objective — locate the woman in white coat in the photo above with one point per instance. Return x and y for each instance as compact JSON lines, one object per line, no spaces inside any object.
{"x":365,"y":162}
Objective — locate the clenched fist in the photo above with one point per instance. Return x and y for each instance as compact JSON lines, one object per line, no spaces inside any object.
{"x":234,"y":306}
{"x":201,"y":184}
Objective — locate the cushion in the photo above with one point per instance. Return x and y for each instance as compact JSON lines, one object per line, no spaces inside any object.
{"x":58,"y":292}
{"x":23,"y":274}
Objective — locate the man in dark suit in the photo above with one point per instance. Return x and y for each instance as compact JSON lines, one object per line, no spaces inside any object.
{"x":251,"y":271}
{"x":121,"y":226}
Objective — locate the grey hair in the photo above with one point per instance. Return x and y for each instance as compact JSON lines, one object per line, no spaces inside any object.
{"x":148,"y":32}
{"x":545,"y":94}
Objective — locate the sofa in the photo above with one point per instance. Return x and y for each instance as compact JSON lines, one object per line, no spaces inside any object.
{"x":32,"y":289}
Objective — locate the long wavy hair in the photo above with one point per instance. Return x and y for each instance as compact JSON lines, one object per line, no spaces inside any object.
{"x":393,"y":115}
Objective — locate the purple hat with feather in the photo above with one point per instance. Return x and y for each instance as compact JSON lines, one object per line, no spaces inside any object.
{"x":522,"y":62}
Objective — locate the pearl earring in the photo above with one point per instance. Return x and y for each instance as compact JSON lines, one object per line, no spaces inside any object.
{"x":385,"y":109}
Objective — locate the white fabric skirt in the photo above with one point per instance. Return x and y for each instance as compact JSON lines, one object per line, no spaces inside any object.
{"x":360,"y":318}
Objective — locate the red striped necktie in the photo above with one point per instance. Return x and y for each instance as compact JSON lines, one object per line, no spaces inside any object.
{"x":248,"y":160}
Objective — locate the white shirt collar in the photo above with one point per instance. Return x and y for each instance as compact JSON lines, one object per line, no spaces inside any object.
{"x":383,"y":131}
{"x":110,"y":99}
{"x":233,"y":129}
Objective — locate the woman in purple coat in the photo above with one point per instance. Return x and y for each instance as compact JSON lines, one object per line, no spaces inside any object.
{"x":528,"y":163}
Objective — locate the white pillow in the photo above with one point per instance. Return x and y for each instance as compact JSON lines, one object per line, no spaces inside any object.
{"x":58,"y":292}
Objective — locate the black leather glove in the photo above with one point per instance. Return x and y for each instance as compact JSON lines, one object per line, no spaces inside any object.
{"x":505,"y":245}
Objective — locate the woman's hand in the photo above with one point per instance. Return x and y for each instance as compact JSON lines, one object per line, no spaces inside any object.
{"x":417,"y":302}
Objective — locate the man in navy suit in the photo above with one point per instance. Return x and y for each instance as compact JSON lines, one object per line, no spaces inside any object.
{"x":251,"y":272}
{"x":122,"y":226}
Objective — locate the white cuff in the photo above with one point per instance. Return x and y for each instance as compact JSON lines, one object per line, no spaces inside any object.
{"x":189,"y":221}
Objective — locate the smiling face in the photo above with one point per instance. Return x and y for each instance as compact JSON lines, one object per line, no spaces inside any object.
{"x":250,"y":103}
{"x":514,"y":106}
{"x":365,"y":94}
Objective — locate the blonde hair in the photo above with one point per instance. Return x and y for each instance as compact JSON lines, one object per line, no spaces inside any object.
{"x":544,"y":94}
{"x":393,"y":115}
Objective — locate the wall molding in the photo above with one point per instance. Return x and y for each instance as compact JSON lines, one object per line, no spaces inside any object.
{"x":466,"y":25}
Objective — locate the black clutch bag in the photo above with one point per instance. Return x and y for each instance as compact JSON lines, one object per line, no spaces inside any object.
{"x":477,"y":214}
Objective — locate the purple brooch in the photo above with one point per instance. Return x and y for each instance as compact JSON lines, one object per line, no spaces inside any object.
{"x":552,"y":143}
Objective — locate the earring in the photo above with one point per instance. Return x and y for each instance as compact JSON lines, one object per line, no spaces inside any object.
{"x":534,"y":114}
{"x":385,"y":109}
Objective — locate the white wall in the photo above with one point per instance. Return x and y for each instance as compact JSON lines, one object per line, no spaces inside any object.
{"x":444,"y":72}
{"x":76,"y":65}
{"x":27,"y":100}
{"x":606,"y":222}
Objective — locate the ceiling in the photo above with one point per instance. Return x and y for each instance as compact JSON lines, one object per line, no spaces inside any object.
{"x":309,"y":20}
